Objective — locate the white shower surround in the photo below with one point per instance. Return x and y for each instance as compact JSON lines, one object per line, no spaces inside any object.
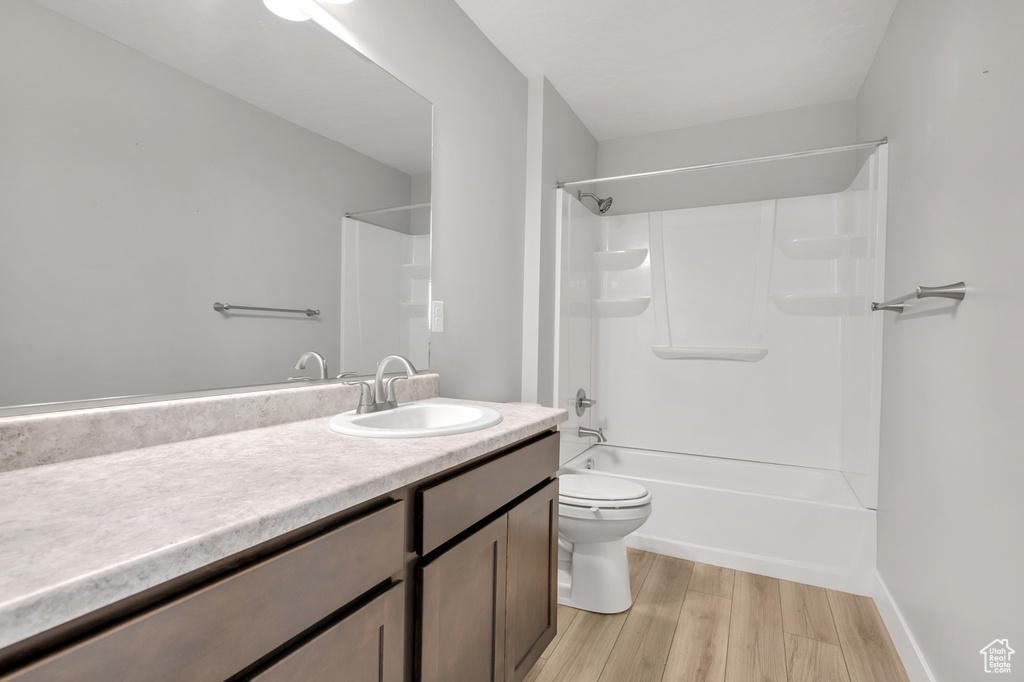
{"x":810,"y":406}
{"x":384,"y":296}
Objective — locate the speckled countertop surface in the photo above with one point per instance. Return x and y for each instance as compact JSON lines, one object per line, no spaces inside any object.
{"x":79,"y":535}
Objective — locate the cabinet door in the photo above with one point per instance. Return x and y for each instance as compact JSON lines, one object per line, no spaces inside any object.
{"x":462,"y":609}
{"x":532,"y":597}
{"x":368,"y":645}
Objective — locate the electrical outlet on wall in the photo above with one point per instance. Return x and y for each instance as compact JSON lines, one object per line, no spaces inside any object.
{"x":437,"y":316}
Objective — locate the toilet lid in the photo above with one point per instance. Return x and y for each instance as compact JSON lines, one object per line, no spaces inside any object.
{"x":596,"y":490}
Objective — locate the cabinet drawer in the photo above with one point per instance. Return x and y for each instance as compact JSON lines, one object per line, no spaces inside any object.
{"x":454,"y":505}
{"x":365,"y":646}
{"x":216,"y":631}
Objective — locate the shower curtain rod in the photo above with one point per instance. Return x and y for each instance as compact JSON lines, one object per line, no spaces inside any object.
{"x":388,"y":210}
{"x":724,"y":164}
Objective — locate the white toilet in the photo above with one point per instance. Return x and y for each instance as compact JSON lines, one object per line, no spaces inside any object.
{"x":595,"y":514}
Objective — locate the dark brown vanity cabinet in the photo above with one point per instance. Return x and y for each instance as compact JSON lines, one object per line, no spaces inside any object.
{"x":451,"y":578}
{"x":295,"y":602}
{"x":488,"y":596}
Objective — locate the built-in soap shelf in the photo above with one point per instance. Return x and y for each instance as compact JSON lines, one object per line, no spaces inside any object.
{"x":619,"y":260}
{"x":414,"y":308}
{"x":824,"y":248}
{"x":821,"y":304}
{"x":416,"y":270}
{"x":621,"y":307}
{"x":737,"y":353}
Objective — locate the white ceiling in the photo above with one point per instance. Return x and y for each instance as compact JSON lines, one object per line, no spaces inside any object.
{"x":296,"y":71}
{"x":641,"y":66}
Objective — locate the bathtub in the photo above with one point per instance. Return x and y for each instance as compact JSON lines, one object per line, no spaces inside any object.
{"x":788,"y":522}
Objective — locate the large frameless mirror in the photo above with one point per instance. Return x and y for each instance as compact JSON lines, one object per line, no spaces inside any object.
{"x":160,"y":157}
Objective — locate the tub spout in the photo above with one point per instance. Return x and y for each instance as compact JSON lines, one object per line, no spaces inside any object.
{"x":584,"y":432}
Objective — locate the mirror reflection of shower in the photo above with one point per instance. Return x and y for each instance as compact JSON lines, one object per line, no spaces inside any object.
{"x":602,"y":204}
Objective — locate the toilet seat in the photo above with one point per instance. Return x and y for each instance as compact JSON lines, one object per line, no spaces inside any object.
{"x":601,"y":492}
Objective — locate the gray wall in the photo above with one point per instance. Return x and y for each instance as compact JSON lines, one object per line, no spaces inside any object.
{"x":478,"y":180}
{"x":133,"y":198}
{"x":825,"y":125}
{"x":561,"y":148}
{"x":946,"y":87}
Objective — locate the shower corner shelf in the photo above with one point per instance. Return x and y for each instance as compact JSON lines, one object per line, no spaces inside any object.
{"x":820,"y":305}
{"x":417,"y":270}
{"x":414,"y":308}
{"x":621,"y":307}
{"x":824,"y":248}
{"x":814,"y":248}
{"x":619,"y":260}
{"x":739,"y":353}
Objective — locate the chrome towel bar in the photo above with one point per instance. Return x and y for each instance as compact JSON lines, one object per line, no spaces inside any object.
{"x":955,"y":291}
{"x":227,"y":307}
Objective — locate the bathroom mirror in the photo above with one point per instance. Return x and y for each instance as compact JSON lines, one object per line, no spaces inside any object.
{"x":159,"y":157}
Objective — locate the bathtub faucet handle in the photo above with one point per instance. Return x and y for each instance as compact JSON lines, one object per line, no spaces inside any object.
{"x":581,"y":402}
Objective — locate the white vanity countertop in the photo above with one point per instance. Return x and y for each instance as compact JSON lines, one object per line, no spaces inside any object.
{"x":83,"y":534}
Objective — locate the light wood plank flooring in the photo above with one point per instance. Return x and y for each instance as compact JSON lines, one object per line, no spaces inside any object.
{"x":693,"y":622}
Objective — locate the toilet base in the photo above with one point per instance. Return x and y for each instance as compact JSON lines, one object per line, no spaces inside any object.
{"x":596,"y":578}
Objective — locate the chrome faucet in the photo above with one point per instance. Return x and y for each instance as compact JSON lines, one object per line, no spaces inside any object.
{"x":304,"y":358}
{"x":584,"y":432}
{"x":380,"y":395}
{"x":385,"y":392}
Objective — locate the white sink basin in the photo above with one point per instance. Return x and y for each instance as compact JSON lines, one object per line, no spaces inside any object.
{"x":416,"y":420}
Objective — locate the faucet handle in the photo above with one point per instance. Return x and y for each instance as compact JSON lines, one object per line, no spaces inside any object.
{"x":581,"y":402}
{"x":347,"y":374}
{"x":389,"y":389}
{"x":366,"y":401}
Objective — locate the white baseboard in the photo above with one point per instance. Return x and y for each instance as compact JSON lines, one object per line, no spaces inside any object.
{"x":906,"y":646}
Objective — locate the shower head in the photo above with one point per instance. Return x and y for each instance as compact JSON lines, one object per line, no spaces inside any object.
{"x":602,"y":204}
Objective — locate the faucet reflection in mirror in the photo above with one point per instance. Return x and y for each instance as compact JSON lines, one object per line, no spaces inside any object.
{"x":312,"y":355}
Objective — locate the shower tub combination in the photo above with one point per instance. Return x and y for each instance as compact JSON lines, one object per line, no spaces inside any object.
{"x":732,"y":357}
{"x":788,"y":522}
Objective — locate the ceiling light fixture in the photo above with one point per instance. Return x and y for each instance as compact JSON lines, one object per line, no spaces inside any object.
{"x":300,"y":10}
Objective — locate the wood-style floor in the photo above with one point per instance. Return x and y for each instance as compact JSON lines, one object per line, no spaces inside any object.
{"x":698,"y":623}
